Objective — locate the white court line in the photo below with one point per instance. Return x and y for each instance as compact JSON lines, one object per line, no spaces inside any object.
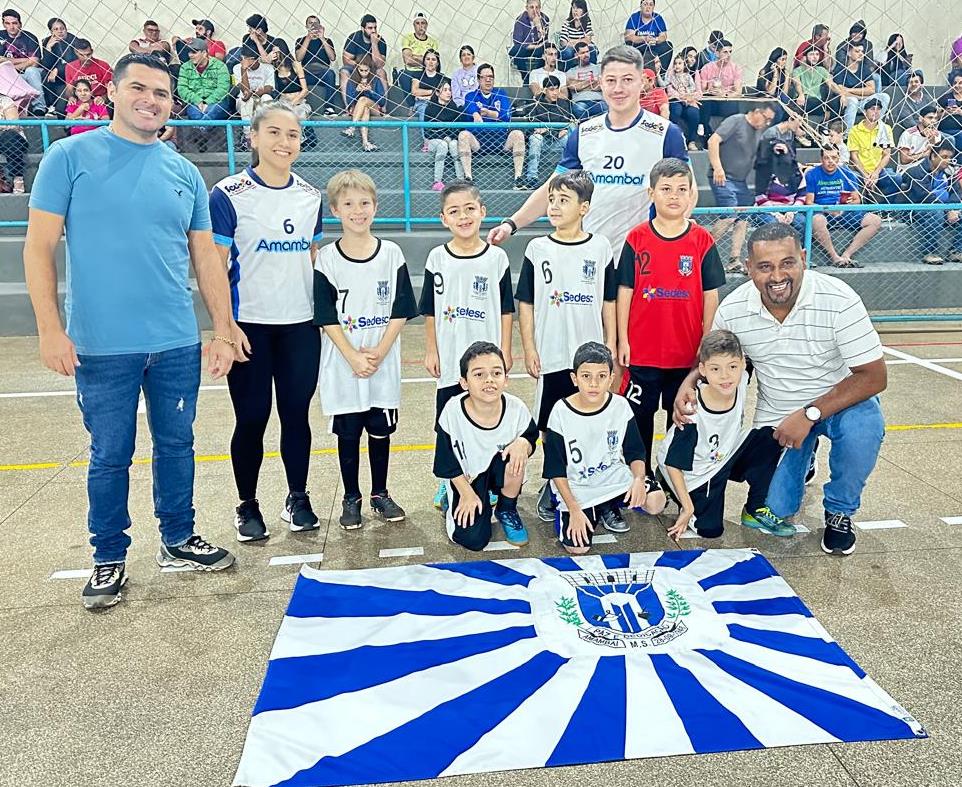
{"x":931,"y":360}
{"x":174,"y":569}
{"x":499,"y":546}
{"x":401,"y":552}
{"x":801,"y":528}
{"x":288,"y":560}
{"x":881,"y":524}
{"x":604,"y":538}
{"x":925,"y":363}
{"x":72,"y":573}
{"x":952,"y":520}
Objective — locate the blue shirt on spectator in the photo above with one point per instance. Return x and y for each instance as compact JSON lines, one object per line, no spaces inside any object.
{"x":653,"y":27}
{"x":828,"y":188}
{"x":127,"y":210}
{"x":376,"y":92}
{"x":497,"y":100}
{"x":861,"y":77}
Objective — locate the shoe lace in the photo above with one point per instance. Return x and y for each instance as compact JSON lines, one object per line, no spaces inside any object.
{"x":840,"y":522}
{"x":198,"y":544}
{"x":104,"y":573}
{"x":248,"y":508}
{"x":299,"y":502}
{"x":511,"y":520}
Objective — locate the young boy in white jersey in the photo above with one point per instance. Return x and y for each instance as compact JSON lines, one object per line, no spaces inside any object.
{"x":466,"y":296}
{"x":566,"y":296}
{"x":697,"y":462}
{"x":484,"y":439}
{"x":362,"y":298}
{"x":593,"y":455}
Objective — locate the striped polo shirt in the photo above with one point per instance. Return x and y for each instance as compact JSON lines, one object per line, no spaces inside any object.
{"x":826,"y":333}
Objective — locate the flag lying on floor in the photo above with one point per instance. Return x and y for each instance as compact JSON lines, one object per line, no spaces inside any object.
{"x":390,"y":674}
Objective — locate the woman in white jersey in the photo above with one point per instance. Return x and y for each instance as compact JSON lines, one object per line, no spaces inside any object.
{"x":267,"y":222}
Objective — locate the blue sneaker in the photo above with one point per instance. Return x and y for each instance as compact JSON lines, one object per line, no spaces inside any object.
{"x":515,"y":532}
{"x":441,"y":498}
{"x":763,"y":519}
{"x":493,"y":499}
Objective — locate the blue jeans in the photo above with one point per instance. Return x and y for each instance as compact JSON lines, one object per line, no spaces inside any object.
{"x":856,"y":436}
{"x":928,"y":228}
{"x":108,"y":387}
{"x":526,"y":60}
{"x":854,"y":105}
{"x":326,"y":81}
{"x":33,"y":76}
{"x":588,"y":109}
{"x":421,"y":107}
{"x":218,"y":111}
{"x":404,"y":81}
{"x":679,"y":111}
{"x":735,"y":193}
{"x":538,"y":144}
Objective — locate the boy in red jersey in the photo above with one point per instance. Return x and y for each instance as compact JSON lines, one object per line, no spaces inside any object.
{"x":668,"y":276}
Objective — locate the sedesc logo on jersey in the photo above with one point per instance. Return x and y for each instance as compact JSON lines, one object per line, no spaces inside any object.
{"x":559,"y":297}
{"x":452,"y":313}
{"x":361,"y":323}
{"x":664,"y":293}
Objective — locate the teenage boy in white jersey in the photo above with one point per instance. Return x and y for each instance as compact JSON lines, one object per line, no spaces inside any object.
{"x":566,"y":297}
{"x":484,"y":439}
{"x":466,"y":296}
{"x":593,"y":454}
{"x":618,"y":149}
{"x":696,"y":463}
{"x":362,"y":298}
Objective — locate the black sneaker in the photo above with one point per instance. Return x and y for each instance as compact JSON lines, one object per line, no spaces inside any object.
{"x":812,"y":465}
{"x":249,"y":523}
{"x":547,"y":506}
{"x":839,"y":537}
{"x":386,"y":508}
{"x":298,"y":513}
{"x":196,"y":554}
{"x":613,"y":521}
{"x":351,"y":514}
{"x":103,"y":588}
{"x":521,"y":184}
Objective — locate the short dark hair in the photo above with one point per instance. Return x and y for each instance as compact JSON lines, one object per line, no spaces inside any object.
{"x":577,"y":181}
{"x":818,"y":30}
{"x":725,"y":42}
{"x":11,"y":12}
{"x":476,"y":350}
{"x":151,"y":23}
{"x":465,"y":48}
{"x":856,"y":45}
{"x":945,"y":143}
{"x":829,"y":147}
{"x":761,"y":106}
{"x":551,"y":45}
{"x":53,"y":20}
{"x":82,"y":43}
{"x":773,"y":231}
{"x":139,"y":59}
{"x":551,"y":81}
{"x":719,"y":342}
{"x":78,"y":82}
{"x":715,"y":37}
{"x":460,"y":187}
{"x":257,"y":21}
{"x":837,"y":125}
{"x":919,"y":74}
{"x":483,"y":66}
{"x":669,"y":168}
{"x":367,"y":19}
{"x":580,"y":45}
{"x":592,"y":352}
{"x":929,"y":109}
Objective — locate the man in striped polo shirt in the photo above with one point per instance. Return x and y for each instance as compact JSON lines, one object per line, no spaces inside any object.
{"x":819,"y":366}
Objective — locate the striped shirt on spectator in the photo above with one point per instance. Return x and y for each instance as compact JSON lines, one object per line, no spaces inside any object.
{"x":827,"y":332}
{"x":571,"y":32}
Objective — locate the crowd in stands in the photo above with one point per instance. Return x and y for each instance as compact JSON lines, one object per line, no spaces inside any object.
{"x":870,"y":107}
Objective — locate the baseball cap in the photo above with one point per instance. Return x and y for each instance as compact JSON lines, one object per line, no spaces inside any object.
{"x":208,"y":25}
{"x":650,"y":74}
{"x":197,"y":45}
{"x":872,"y":103}
{"x":421,"y":15}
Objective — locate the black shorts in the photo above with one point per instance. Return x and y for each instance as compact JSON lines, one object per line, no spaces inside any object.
{"x":378,"y":421}
{"x":649,"y":386}
{"x":562,"y":518}
{"x":443,"y":396}
{"x":552,"y":388}
{"x":476,"y":537}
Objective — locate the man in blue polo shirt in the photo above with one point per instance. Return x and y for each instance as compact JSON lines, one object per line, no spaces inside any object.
{"x":136,"y":215}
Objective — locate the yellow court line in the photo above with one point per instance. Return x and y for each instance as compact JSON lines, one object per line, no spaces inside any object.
{"x":409,"y":448}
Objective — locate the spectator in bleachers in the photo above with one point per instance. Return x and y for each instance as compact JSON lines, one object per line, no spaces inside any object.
{"x":829,"y":184}
{"x":584,"y":85}
{"x":530,"y":34}
{"x":835,"y":136}
{"x":465,"y":79}
{"x":443,"y":142}
{"x":203,"y":31}
{"x":955,"y":55}
{"x":777,"y":158}
{"x":413,"y":47}
{"x":776,"y":81}
{"x":203,"y":84}
{"x":815,"y":82}
{"x":22,"y":50}
{"x":719,"y":81}
{"x":315,"y":51}
{"x":365,"y":42}
{"x":425,"y":83}
{"x":898,"y":62}
{"x":14,"y":147}
{"x":856,"y":84}
{"x":83,"y":106}
{"x":820,"y":41}
{"x":576,"y":29}
{"x":684,"y":98}
{"x":919,"y":140}
{"x":489,"y":104}
{"x":258,"y":35}
{"x":150,"y":43}
{"x":731,"y":157}
{"x":550,"y":68}
{"x":647,"y":32}
{"x":57,"y":50}
{"x":711,"y":52}
{"x":551,"y":107}
{"x":931,"y":181}
{"x":907,"y":105}
{"x":96,"y":71}
{"x":255,"y":82}
{"x":366,"y":98}
{"x":290,"y":88}
{"x":951,"y":103}
{"x":857,"y":34}
{"x":653,"y":98}
{"x":871,"y":143}
{"x":689,"y":56}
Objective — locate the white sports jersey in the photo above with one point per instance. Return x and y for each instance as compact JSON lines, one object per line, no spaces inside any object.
{"x":466,"y":296}
{"x":269,"y":232}
{"x":592,"y":450}
{"x":362,"y":297}
{"x":619,"y":162}
{"x":567,"y":283}
{"x":703,"y":447}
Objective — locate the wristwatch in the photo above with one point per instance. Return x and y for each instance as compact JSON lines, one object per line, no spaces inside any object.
{"x":813,"y":414}
{"x":510,"y":223}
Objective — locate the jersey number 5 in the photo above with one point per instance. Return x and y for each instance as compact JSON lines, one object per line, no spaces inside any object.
{"x":574,"y":451}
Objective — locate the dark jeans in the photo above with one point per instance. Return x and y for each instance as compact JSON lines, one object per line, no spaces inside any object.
{"x":657,"y":56}
{"x":526,"y":60}
{"x":322,"y":86}
{"x":219,"y":111}
{"x":403,"y":81}
{"x":14,"y":147}
{"x":928,"y":229}
{"x":686,"y":116}
{"x":108,"y":388}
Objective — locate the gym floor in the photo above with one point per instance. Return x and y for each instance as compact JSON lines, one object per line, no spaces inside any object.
{"x":158,"y":690}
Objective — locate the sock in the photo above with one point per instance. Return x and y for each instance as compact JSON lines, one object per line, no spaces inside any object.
{"x":349,"y":458}
{"x":379,"y":452}
{"x":506,"y":503}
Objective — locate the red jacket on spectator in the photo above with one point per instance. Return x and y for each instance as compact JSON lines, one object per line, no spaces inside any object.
{"x":98,"y":72}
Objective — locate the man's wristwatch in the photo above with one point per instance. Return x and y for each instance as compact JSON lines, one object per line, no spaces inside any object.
{"x":510,"y":223}
{"x":813,"y":414}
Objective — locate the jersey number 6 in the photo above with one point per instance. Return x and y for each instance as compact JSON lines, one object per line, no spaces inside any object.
{"x":288,"y":226}
{"x":546,"y":271}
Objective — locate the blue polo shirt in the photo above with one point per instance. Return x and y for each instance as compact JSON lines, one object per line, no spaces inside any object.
{"x":828,"y":188}
{"x":127,"y":210}
{"x":497,"y":100}
{"x":653,"y":27}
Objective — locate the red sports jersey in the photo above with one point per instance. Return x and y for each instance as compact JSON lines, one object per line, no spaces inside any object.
{"x":669,"y":278}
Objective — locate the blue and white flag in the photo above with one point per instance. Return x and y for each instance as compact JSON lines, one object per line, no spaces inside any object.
{"x":391,"y":674}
